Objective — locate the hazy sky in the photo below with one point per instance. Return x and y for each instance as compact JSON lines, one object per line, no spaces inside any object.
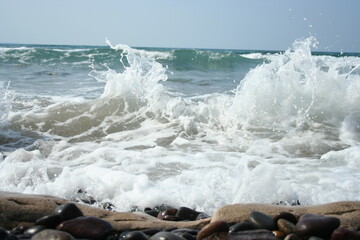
{"x":234,"y":24}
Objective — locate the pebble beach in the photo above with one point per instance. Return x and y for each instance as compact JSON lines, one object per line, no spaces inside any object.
{"x":39,"y":217}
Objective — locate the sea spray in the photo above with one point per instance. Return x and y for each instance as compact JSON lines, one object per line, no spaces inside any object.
{"x":288,"y":132}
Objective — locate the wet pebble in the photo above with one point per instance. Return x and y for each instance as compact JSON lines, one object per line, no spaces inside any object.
{"x":33,"y":230}
{"x":135,"y":235}
{"x":316,"y":225}
{"x":212,"y":228}
{"x":50,"y":234}
{"x":168,"y":215}
{"x":187,"y":213}
{"x":279,"y":234}
{"x":50,"y":221}
{"x":151,"y":231}
{"x":292,"y":237}
{"x":202,"y":215}
{"x":166,"y":236}
{"x":287,"y":216}
{"x":345,"y":234}
{"x":285,"y":226}
{"x":261,"y":220}
{"x":186,"y":235}
{"x":243,"y":226}
{"x":4,"y":235}
{"x":86,"y":227}
{"x":252,"y":235}
{"x":69,"y":211}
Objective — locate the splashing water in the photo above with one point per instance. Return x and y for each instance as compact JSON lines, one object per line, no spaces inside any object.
{"x":289,"y":131}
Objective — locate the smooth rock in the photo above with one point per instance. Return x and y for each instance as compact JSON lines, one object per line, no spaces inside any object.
{"x":168,"y":215}
{"x":252,"y":235}
{"x":292,"y":237}
{"x":152,"y":212}
{"x":165,"y":236}
{"x":86,"y":227}
{"x":212,"y":228}
{"x":287,"y":216}
{"x":187,"y":214}
{"x":285,"y":226}
{"x":243,"y":226}
{"x":69,"y":211}
{"x":315,"y":238}
{"x":33,"y":230}
{"x":316,"y":225}
{"x":151,"y":231}
{"x":261,"y":220}
{"x":135,"y":235}
{"x":186,"y":230}
{"x":347,"y":211}
{"x":4,"y":235}
{"x":202,"y":215}
{"x":51,"y":234}
{"x":186,"y":235}
{"x":345,"y":234}
{"x":279,"y":234}
{"x":50,"y":221}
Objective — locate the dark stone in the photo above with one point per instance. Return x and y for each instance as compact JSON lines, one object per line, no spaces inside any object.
{"x":212,"y":228}
{"x":22,"y":236}
{"x":152,"y":212}
{"x":33,"y":230}
{"x":151,"y":231}
{"x":135,"y":235}
{"x":292,"y":237}
{"x":186,"y":235}
{"x":50,"y":234}
{"x":3,"y":233}
{"x":261,"y":221}
{"x":168,"y":215}
{"x":166,"y":236}
{"x":187,"y":213}
{"x":315,"y":238}
{"x":18,"y":230}
{"x":345,"y":234}
{"x":252,"y":235}
{"x":69,"y":211}
{"x":202,"y":215}
{"x":50,"y":221}
{"x":86,"y":227}
{"x":316,"y":225}
{"x":186,"y":230}
{"x":243,"y":226}
{"x":285,"y":226}
{"x":287,"y":216}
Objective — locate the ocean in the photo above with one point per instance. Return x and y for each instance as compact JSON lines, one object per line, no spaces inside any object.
{"x":142,"y":127}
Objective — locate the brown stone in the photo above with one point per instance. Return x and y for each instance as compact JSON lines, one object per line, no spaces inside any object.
{"x":345,"y":234}
{"x":86,"y":227}
{"x":212,"y":228}
{"x":285,"y":226}
{"x":347,"y":212}
{"x":279,"y":234}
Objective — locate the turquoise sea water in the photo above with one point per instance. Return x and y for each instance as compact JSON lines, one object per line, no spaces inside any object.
{"x":195,"y":127}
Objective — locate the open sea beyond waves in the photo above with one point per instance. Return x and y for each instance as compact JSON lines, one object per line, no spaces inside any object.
{"x":183,"y":127}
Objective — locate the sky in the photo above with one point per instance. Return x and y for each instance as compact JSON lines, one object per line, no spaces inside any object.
{"x":220,"y":24}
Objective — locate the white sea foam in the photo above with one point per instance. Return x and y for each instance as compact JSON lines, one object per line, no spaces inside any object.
{"x":290,"y":131}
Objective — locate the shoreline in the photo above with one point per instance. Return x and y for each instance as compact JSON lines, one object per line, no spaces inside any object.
{"x":19,"y":208}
